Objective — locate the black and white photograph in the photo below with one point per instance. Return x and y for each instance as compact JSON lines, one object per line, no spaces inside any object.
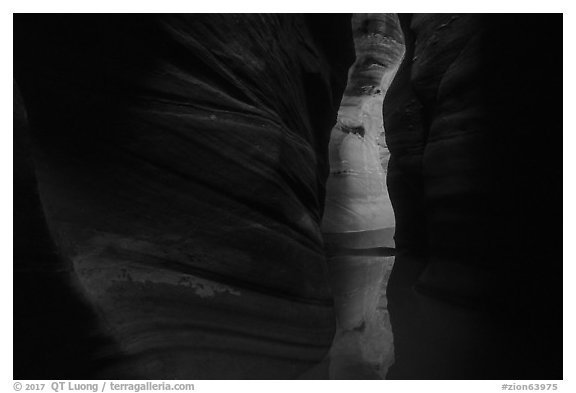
{"x":287,"y":196}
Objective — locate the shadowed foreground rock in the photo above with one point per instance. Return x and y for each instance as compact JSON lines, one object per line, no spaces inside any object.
{"x":181,"y":163}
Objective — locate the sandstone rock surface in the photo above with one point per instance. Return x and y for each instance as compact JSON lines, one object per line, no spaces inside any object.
{"x":358,"y":222}
{"x":472,"y":103}
{"x":181,"y":162}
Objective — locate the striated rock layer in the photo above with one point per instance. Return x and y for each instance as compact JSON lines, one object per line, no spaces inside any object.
{"x":181,"y":163}
{"x":358,"y":222}
{"x":473,"y":123}
{"x":357,"y":199}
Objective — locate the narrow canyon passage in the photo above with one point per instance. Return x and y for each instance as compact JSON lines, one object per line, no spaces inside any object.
{"x":358,"y":222}
{"x":225,"y":196}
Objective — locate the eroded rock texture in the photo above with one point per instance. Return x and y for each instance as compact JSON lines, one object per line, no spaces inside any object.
{"x":357,"y":202}
{"x":473,"y":123}
{"x":181,"y":162}
{"x":358,"y":222}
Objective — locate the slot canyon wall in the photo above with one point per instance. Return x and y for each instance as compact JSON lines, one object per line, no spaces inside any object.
{"x":474,"y":126}
{"x":181,"y":162}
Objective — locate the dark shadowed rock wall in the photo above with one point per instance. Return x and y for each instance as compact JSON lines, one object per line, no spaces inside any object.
{"x":473,"y":122}
{"x":54,"y":331}
{"x":181,"y":163}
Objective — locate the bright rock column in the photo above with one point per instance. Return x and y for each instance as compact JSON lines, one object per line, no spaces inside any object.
{"x":358,"y":223}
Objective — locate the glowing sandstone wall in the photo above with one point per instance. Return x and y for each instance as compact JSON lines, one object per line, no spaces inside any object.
{"x":358,"y":223}
{"x":357,"y":201}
